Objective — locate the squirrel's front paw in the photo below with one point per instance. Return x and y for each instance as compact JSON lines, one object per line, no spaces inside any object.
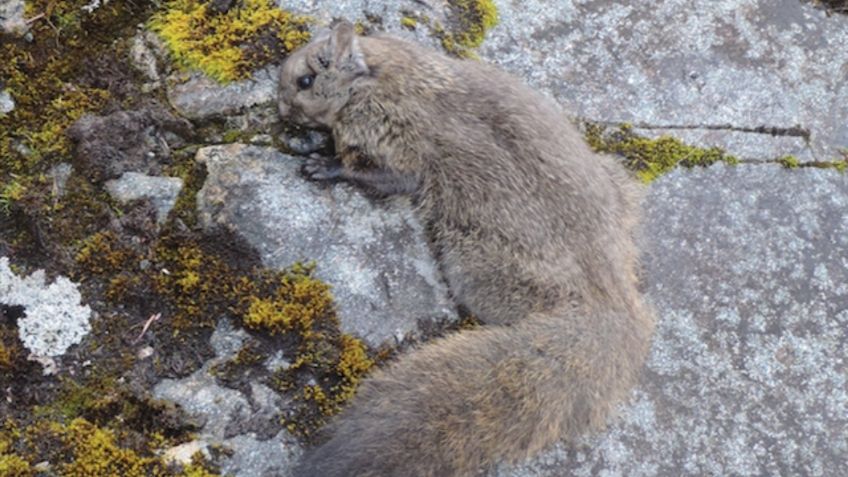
{"x":321,"y":169}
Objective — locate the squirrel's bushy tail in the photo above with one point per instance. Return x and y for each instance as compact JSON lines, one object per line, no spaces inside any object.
{"x":458,"y":404}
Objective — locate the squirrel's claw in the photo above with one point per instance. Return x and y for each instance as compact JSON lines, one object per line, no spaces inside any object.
{"x":321,"y":169}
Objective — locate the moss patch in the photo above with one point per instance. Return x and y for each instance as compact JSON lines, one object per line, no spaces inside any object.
{"x":789,"y":162}
{"x":228,"y":46}
{"x":650,"y":158}
{"x":81,"y":448}
{"x":473,"y":18}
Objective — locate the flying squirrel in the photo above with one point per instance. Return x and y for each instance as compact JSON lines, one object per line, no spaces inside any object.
{"x":534,"y":233}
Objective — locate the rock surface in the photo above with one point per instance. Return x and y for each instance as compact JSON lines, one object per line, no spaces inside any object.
{"x":747,"y":267}
{"x":380,"y":15}
{"x":200,"y":97}
{"x":718,"y":69}
{"x":238,"y":422}
{"x":54,"y":318}
{"x":374,"y":256}
{"x":12,"y":19}
{"x":162,"y":192}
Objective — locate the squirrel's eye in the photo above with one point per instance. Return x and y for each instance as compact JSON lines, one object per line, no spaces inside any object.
{"x":305,"y":81}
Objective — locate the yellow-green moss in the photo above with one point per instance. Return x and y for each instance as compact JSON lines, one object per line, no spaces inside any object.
{"x":650,"y":158}
{"x":227,"y":46}
{"x":45,"y":107}
{"x":10,"y":193}
{"x":13,"y":466}
{"x":353,"y":364}
{"x":789,"y":162}
{"x":409,"y":22}
{"x":103,"y":252}
{"x":474,"y":19}
{"x":298,"y":301}
{"x":94,"y":451}
{"x":81,"y":448}
{"x":54,"y":80}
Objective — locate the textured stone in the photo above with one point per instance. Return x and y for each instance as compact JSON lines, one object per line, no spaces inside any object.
{"x":201,"y":97}
{"x":12,"y":19}
{"x":379,"y":15}
{"x":162,"y":192}
{"x":233,"y":420}
{"x":373,"y":254}
{"x":747,"y":267}
{"x":743,"y":64}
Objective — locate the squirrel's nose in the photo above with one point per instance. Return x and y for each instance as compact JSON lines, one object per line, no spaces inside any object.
{"x":283,"y":108}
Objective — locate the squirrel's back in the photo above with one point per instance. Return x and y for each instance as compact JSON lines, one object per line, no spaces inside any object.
{"x":535,"y":236}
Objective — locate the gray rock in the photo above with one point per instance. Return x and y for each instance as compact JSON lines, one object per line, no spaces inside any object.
{"x":232,"y":419}
{"x":747,"y":269}
{"x":200,"y":97}
{"x":162,"y":192}
{"x":378,"y":15}
{"x":7,"y":103}
{"x":374,"y":255}
{"x":12,"y":21}
{"x":55,"y":317}
{"x":736,"y":65}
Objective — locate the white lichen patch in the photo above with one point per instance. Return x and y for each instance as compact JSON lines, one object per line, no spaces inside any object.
{"x":55,"y":319}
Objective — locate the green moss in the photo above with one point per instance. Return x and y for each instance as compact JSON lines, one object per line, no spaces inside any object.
{"x":408,"y":22}
{"x":474,"y":18}
{"x":228,"y":46}
{"x":12,"y":465}
{"x":94,"y":451}
{"x":11,"y":193}
{"x":295,"y":305}
{"x":650,"y":158}
{"x":353,"y":364}
{"x":74,"y":64}
{"x":789,"y":162}
{"x":104,"y":253}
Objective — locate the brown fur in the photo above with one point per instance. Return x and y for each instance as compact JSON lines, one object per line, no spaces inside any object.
{"x":534,"y":233}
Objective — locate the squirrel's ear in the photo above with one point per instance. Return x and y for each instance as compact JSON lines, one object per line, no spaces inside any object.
{"x":344,"y":45}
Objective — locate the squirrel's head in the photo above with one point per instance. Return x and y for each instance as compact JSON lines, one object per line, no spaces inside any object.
{"x":316,"y":80}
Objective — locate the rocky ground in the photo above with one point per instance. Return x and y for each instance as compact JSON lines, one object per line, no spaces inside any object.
{"x":176,"y":300}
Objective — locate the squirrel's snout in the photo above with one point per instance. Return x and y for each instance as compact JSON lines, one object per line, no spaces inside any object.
{"x":284,"y":109}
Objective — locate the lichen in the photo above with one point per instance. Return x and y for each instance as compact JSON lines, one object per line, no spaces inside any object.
{"x":650,"y":158}
{"x":228,"y":46}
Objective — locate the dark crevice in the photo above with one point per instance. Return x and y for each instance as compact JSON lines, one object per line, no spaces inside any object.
{"x":10,"y":314}
{"x":794,"y":131}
